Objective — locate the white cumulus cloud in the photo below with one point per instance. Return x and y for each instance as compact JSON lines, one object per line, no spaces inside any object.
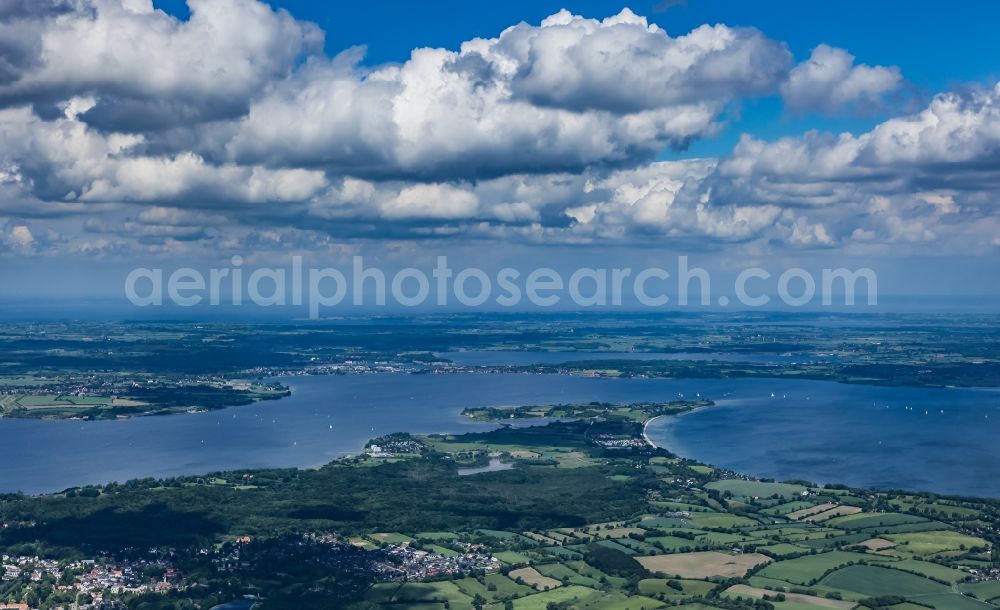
{"x":563,"y":95}
{"x":830,"y":81}
{"x":144,"y":67}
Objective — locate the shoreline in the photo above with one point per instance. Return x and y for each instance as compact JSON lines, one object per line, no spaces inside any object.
{"x":673,"y":441}
{"x":645,"y":434}
{"x":645,"y":425}
{"x":501,"y":424}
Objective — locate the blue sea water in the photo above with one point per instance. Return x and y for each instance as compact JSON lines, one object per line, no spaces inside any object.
{"x":941,"y":440}
{"x":822,"y":431}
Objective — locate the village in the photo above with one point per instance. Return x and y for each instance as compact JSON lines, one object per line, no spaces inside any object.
{"x":103,"y":582}
{"x":90,"y":582}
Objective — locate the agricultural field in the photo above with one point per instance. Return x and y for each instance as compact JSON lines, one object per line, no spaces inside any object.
{"x":745,"y":591}
{"x":533,"y":578}
{"x":703,"y":564}
{"x":988,"y":590}
{"x":418,"y":592}
{"x":675,"y":588}
{"x":931,"y":543}
{"x":876,"y":581}
{"x":951,"y":601}
{"x":808,"y":569}
{"x":878,"y":544}
{"x":541,"y":601}
{"x":881,"y":521}
{"x":493,"y":587}
{"x":757,"y":489}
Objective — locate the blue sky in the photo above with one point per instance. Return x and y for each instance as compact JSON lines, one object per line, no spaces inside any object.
{"x":783,"y":133}
{"x":919,"y":37}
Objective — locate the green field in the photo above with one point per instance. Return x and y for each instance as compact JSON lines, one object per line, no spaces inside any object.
{"x":720,"y":521}
{"x":952,"y":601}
{"x":783,"y":549}
{"x":930,"y":543}
{"x":874,"y":581}
{"x":436,"y":536}
{"x":565,"y":574}
{"x":540,"y":601}
{"x":493,"y":587}
{"x":933,"y":570}
{"x":395,"y":593}
{"x":618,"y":601}
{"x":513,"y":557}
{"x":810,"y":568}
{"x":787,"y":507}
{"x":988,"y":590}
{"x":749,"y":489}
{"x":391,"y":537}
{"x":865,"y":520}
{"x":687,"y":588}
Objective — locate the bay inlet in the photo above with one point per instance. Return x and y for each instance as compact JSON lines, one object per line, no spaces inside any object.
{"x":939,"y":440}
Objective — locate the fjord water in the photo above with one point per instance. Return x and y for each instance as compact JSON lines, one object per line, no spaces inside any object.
{"x":822,"y":431}
{"x":941,"y":440}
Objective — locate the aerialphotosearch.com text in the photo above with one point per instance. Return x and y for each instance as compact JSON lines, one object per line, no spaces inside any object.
{"x":323,"y":289}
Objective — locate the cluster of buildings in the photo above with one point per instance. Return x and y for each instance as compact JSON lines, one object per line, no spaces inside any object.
{"x":94,"y":385}
{"x":393,"y":445}
{"x":327,"y":368}
{"x":617,"y":441}
{"x":98,"y":579}
{"x":679,"y":483}
{"x":414,"y":564}
{"x":32,"y":568}
{"x":326,"y":549}
{"x":392,"y":562}
{"x":104,"y":580}
{"x":127,"y":577}
{"x":984,"y":574}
